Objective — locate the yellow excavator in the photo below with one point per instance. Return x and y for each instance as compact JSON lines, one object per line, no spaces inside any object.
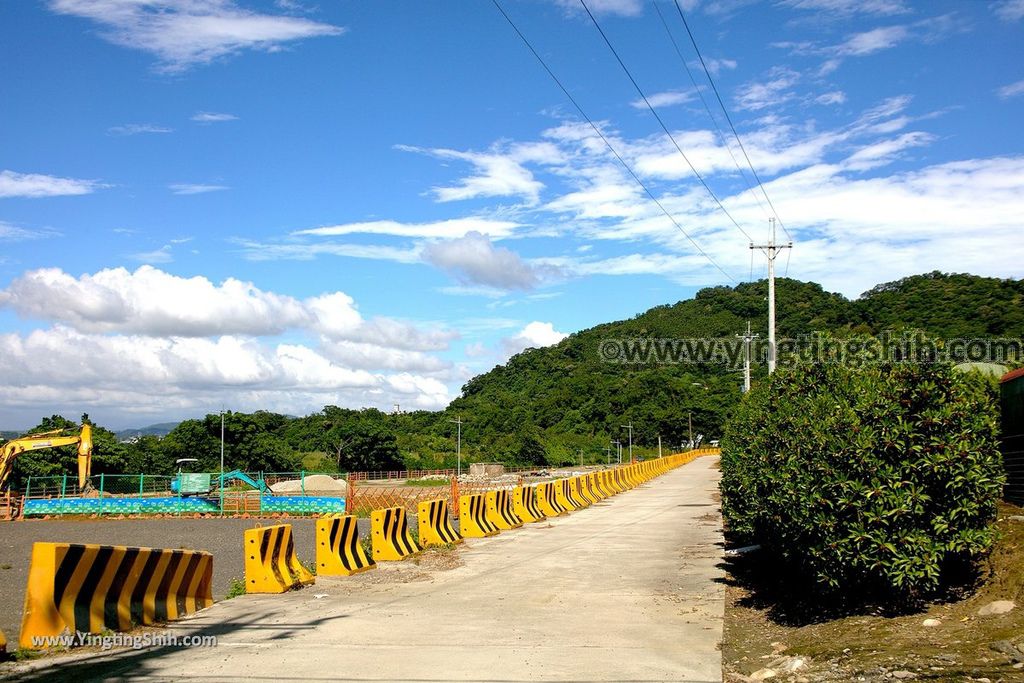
{"x":10,"y":451}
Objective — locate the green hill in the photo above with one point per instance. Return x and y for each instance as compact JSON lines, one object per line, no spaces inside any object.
{"x":566,"y":397}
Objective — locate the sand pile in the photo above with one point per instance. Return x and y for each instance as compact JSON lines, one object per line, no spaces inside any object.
{"x":315,"y":484}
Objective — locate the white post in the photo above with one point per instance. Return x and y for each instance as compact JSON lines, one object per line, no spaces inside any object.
{"x":221,"y":487}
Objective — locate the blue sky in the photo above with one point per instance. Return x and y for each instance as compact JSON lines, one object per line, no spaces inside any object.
{"x":287,"y":204}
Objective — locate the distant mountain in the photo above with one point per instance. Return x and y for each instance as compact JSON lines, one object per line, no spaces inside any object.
{"x":161,"y":429}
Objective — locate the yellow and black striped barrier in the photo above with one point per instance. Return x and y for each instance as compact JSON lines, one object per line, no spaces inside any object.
{"x":575,"y":494}
{"x":435,"y":524}
{"x":547,"y":500}
{"x":92,"y":588}
{"x":392,"y":540}
{"x":338,"y":550}
{"x":473,"y":520}
{"x":524,"y":502}
{"x":499,"y":510}
{"x":584,"y":491}
{"x":271,"y":565}
{"x":595,"y":491}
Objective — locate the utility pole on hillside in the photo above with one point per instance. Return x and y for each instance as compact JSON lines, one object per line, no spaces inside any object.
{"x":630,"y":428}
{"x":618,"y":451}
{"x":747,"y":338}
{"x":689,"y":419}
{"x":608,"y":452}
{"x":659,"y":445}
{"x":771,"y":251}
{"x":458,"y":445}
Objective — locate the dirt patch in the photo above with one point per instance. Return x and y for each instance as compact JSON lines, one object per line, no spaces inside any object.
{"x":963,"y":646}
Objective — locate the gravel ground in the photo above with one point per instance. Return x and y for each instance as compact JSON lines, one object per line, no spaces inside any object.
{"x":222,"y":537}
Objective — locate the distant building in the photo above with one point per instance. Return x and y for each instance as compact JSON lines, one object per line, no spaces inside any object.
{"x":1012,"y":399}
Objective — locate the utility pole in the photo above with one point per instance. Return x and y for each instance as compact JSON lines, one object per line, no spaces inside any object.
{"x":689,"y":419}
{"x":659,"y":445}
{"x":581,"y":457}
{"x":772,"y":251}
{"x":747,"y":338}
{"x":458,"y":445}
{"x":221,"y":487}
{"x":618,"y":451}
{"x":630,"y":428}
{"x":608,"y":452}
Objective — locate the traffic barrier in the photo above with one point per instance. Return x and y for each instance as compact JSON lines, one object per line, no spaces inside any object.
{"x":577,"y":492}
{"x":574,"y":494}
{"x":3,"y":645}
{"x":604,"y":484}
{"x":473,"y":522}
{"x":338,"y":550}
{"x":547,"y":500}
{"x":499,"y":510}
{"x":435,"y":525}
{"x":524,"y":503}
{"x":569,"y":489}
{"x":588,"y":489}
{"x":593,"y":487}
{"x":562,"y":495}
{"x":93,"y":588}
{"x":392,"y":540}
{"x":271,"y":565}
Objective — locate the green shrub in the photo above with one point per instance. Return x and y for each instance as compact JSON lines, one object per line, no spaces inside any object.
{"x":871,"y":482}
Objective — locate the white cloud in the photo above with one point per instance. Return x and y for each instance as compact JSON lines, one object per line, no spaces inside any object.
{"x":34,"y":185}
{"x":1009,"y":10}
{"x":881,"y":153}
{"x":869,"y":42}
{"x":451,"y":228}
{"x":13,"y":233}
{"x":161,"y":255}
{"x":622,"y":8}
{"x":138,"y":129}
{"x":535,"y":335}
{"x":259,"y":251}
{"x":833,"y":97}
{"x":772,"y":92}
{"x":716,"y":66}
{"x":664,"y":99}
{"x":194,"y":188}
{"x":171,"y":378}
{"x":497,"y":173}
{"x":1011,"y":90}
{"x":474,"y":259}
{"x":184,"y":33}
{"x":212,"y":117}
{"x":847,"y":7}
{"x":152,"y":302}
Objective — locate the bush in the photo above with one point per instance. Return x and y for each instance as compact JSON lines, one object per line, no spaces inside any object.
{"x":874,"y":482}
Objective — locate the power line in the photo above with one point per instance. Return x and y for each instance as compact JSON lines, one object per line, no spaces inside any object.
{"x":608,"y":143}
{"x":728,"y":118}
{"x":662,"y":123}
{"x":700,"y":94}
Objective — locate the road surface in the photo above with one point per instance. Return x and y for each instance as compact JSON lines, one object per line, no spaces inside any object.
{"x":626,"y":590}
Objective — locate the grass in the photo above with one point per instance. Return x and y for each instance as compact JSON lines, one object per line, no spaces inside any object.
{"x":760,"y":624}
{"x":237,"y":587}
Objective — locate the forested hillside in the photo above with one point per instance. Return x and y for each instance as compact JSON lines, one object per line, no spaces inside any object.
{"x":556,"y":404}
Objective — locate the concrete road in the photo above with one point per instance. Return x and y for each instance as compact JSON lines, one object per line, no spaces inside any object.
{"x":626,"y":590}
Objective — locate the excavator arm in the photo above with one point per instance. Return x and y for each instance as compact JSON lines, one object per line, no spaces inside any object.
{"x":10,"y":451}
